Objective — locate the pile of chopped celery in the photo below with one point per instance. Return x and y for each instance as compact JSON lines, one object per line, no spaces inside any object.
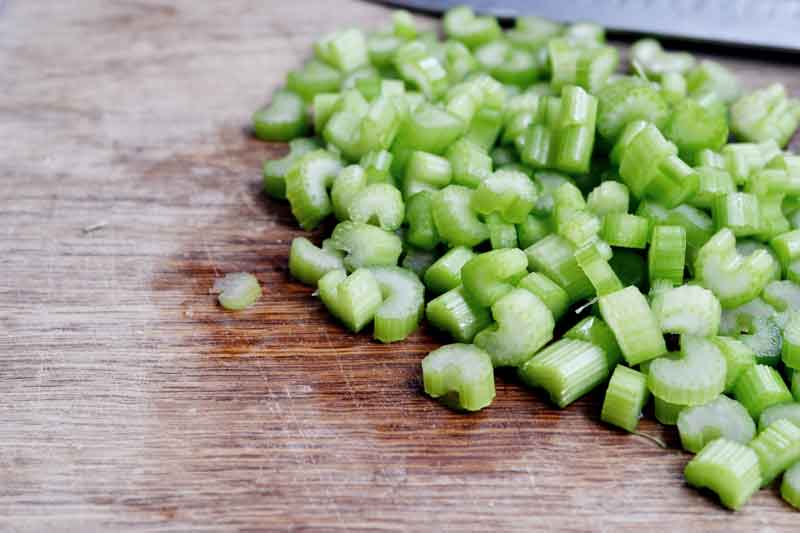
{"x":550,"y":213}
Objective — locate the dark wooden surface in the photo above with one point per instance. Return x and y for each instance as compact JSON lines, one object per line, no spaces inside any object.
{"x":130,"y":401}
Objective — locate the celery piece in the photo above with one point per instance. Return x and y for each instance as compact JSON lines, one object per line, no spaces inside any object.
{"x":695,"y":126}
{"x":787,"y":246}
{"x":461,"y":24}
{"x":352,"y":299}
{"x":656,"y":62}
{"x":790,"y":351}
{"x":738,"y":358}
{"x":712,"y":183}
{"x":667,"y":254}
{"x":625,"y":398}
{"x":553,"y":296}
{"x":688,"y":310}
{"x":366,"y":245}
{"x":426,"y":171}
{"x":777,"y":447}
{"x":237,"y":291}
{"x":351,"y":180}
{"x":600,"y":274}
{"x":567,"y":369}
{"x":759,"y":387}
{"x":307,"y":184}
{"x":460,"y":375}
{"x":747,"y":246}
{"x":403,"y":24}
{"x":709,"y":77}
{"x":417,"y":66}
{"x":624,"y":230}
{"x":502,"y":234}
{"x":377,"y":166}
{"x":283,"y":119}
{"x":455,"y":220}
{"x":274,"y":172}
{"x":508,"y":193}
{"x":422,"y":231}
{"x":695,"y":378}
{"x":737,"y":211}
{"x":379,"y":204}
{"x":790,"y":486}
{"x":346,"y":50}
{"x":789,"y":411}
{"x":665,"y":412}
{"x":403,"y":302}
{"x":445,"y":273}
{"x":594,"y":330}
{"x":634,"y":325}
{"x":626,"y":100}
{"x":489,"y":276}
{"x":532,"y":230}
{"x":765,"y":114}
{"x":523,"y":324}
{"x":471,"y":165}
{"x":728,"y":468}
{"x":308,"y":264}
{"x":732,"y":278}
{"x":719,"y":418}
{"x":314,"y":78}
{"x":608,"y":197}
{"x":554,"y":256}
{"x":456,"y":313}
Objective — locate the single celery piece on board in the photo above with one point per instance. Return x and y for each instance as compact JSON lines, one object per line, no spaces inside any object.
{"x":625,"y":398}
{"x":459,"y":375}
{"x":728,"y":468}
{"x":237,"y":291}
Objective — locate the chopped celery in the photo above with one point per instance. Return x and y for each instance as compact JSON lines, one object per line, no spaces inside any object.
{"x":788,"y":411}
{"x":489,"y":276}
{"x":608,"y":197}
{"x":719,"y":418}
{"x":626,"y":100}
{"x":502,"y":234}
{"x":667,"y":254}
{"x":470,"y":164}
{"x":511,"y":194}
{"x":553,"y":296}
{"x":283,"y":120}
{"x":275,"y":170}
{"x":523,"y":324}
{"x":765,"y":114}
{"x":695,"y":378}
{"x":667,"y":413}
{"x":418,"y":261}
{"x":456,"y":313}
{"x":688,"y":310}
{"x":567,"y":369}
{"x":777,"y":447}
{"x":592,"y":329}
{"x":460,"y":375}
{"x":759,"y":387}
{"x":403,"y":303}
{"x":351,"y":180}
{"x":625,"y":398}
{"x":461,"y":24}
{"x":445,"y":273}
{"x":422,"y":231}
{"x":790,"y":486}
{"x":308,"y":264}
{"x":380,"y":204}
{"x":728,"y":468}
{"x":790,"y":352}
{"x":353,"y":299}
{"x":624,"y":230}
{"x":366,"y":245}
{"x":532,"y":230}
{"x":600,"y":274}
{"x":456,"y":222}
{"x":237,"y":291}
{"x":634,"y":325}
{"x":307,"y":184}
{"x":656,"y":62}
{"x":554,"y":256}
{"x":738,"y":358}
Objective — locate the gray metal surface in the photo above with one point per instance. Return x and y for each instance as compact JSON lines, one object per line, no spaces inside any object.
{"x":770,"y":23}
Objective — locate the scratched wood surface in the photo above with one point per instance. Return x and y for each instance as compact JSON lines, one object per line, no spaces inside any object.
{"x":130,"y":401}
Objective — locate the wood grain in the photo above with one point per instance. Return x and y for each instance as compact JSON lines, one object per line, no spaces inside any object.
{"x":130,"y":401}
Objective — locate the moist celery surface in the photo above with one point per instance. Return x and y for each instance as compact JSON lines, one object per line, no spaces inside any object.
{"x":495,"y":182}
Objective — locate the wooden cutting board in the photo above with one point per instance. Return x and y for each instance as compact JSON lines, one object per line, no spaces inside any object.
{"x":130,"y":401}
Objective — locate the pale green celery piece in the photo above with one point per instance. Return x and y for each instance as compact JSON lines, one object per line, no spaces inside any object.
{"x":283,"y":119}
{"x":421,"y":69}
{"x":345,"y":50}
{"x":445,"y":273}
{"x":782,"y":295}
{"x":523,"y":325}
{"x":666,"y":257}
{"x":625,"y":230}
{"x":790,"y":486}
{"x":274,"y":172}
{"x":608,"y":197}
{"x":778,"y":448}
{"x":711,"y":77}
{"x":366,"y":245}
{"x":728,"y":468}
{"x":732,"y":278}
{"x":471,"y":165}
{"x":553,"y":296}
{"x":567,"y":369}
{"x":719,"y":418}
{"x":403,"y":303}
{"x":346,"y":186}
{"x":352,"y":299}
{"x":502,"y":234}
{"x":379,"y":204}
{"x":738,"y":358}
{"x":307,"y":184}
{"x":765,"y":338}
{"x":377,"y":166}
{"x":759,"y":387}
{"x":687,"y":310}
{"x":673,"y":87}
{"x":426,"y":171}
{"x":455,"y":220}
{"x":403,"y":24}
{"x":579,"y":227}
{"x":634,"y":325}
{"x":508,"y":193}
{"x":600,"y":274}
{"x":456,"y":313}
{"x":656,"y":62}
{"x":738,"y":211}
{"x":594,"y":330}
{"x":532,"y":230}
{"x":790,"y":352}
{"x":460,"y":375}
{"x":549,"y":181}
{"x":789,"y":411}
{"x":421,"y":230}
{"x":461,"y":24}
{"x":667,"y":413}
{"x":742,"y":318}
{"x":237,"y":291}
{"x":308,"y":263}
{"x":627,"y":100}
{"x":489,"y":276}
{"x":554,"y":256}
{"x":765,"y":114}
{"x":418,"y":261}
{"x":625,"y":398}
{"x":695,"y":378}
{"x":746,"y":247}
{"x":712,"y":183}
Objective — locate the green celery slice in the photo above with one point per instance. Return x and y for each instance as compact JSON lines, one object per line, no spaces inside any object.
{"x":719,"y":418}
{"x":456,"y":313}
{"x":489,"y":276}
{"x":403,"y":303}
{"x":237,"y":291}
{"x":777,"y":447}
{"x":728,"y":468}
{"x":308,"y":263}
{"x":790,"y":486}
{"x":352,"y":299}
{"x":689,"y":310}
{"x":634,"y":325}
{"x":790,"y":411}
{"x":463,"y":370}
{"x":625,"y":398}
{"x":759,"y":387}
{"x":695,"y":378}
